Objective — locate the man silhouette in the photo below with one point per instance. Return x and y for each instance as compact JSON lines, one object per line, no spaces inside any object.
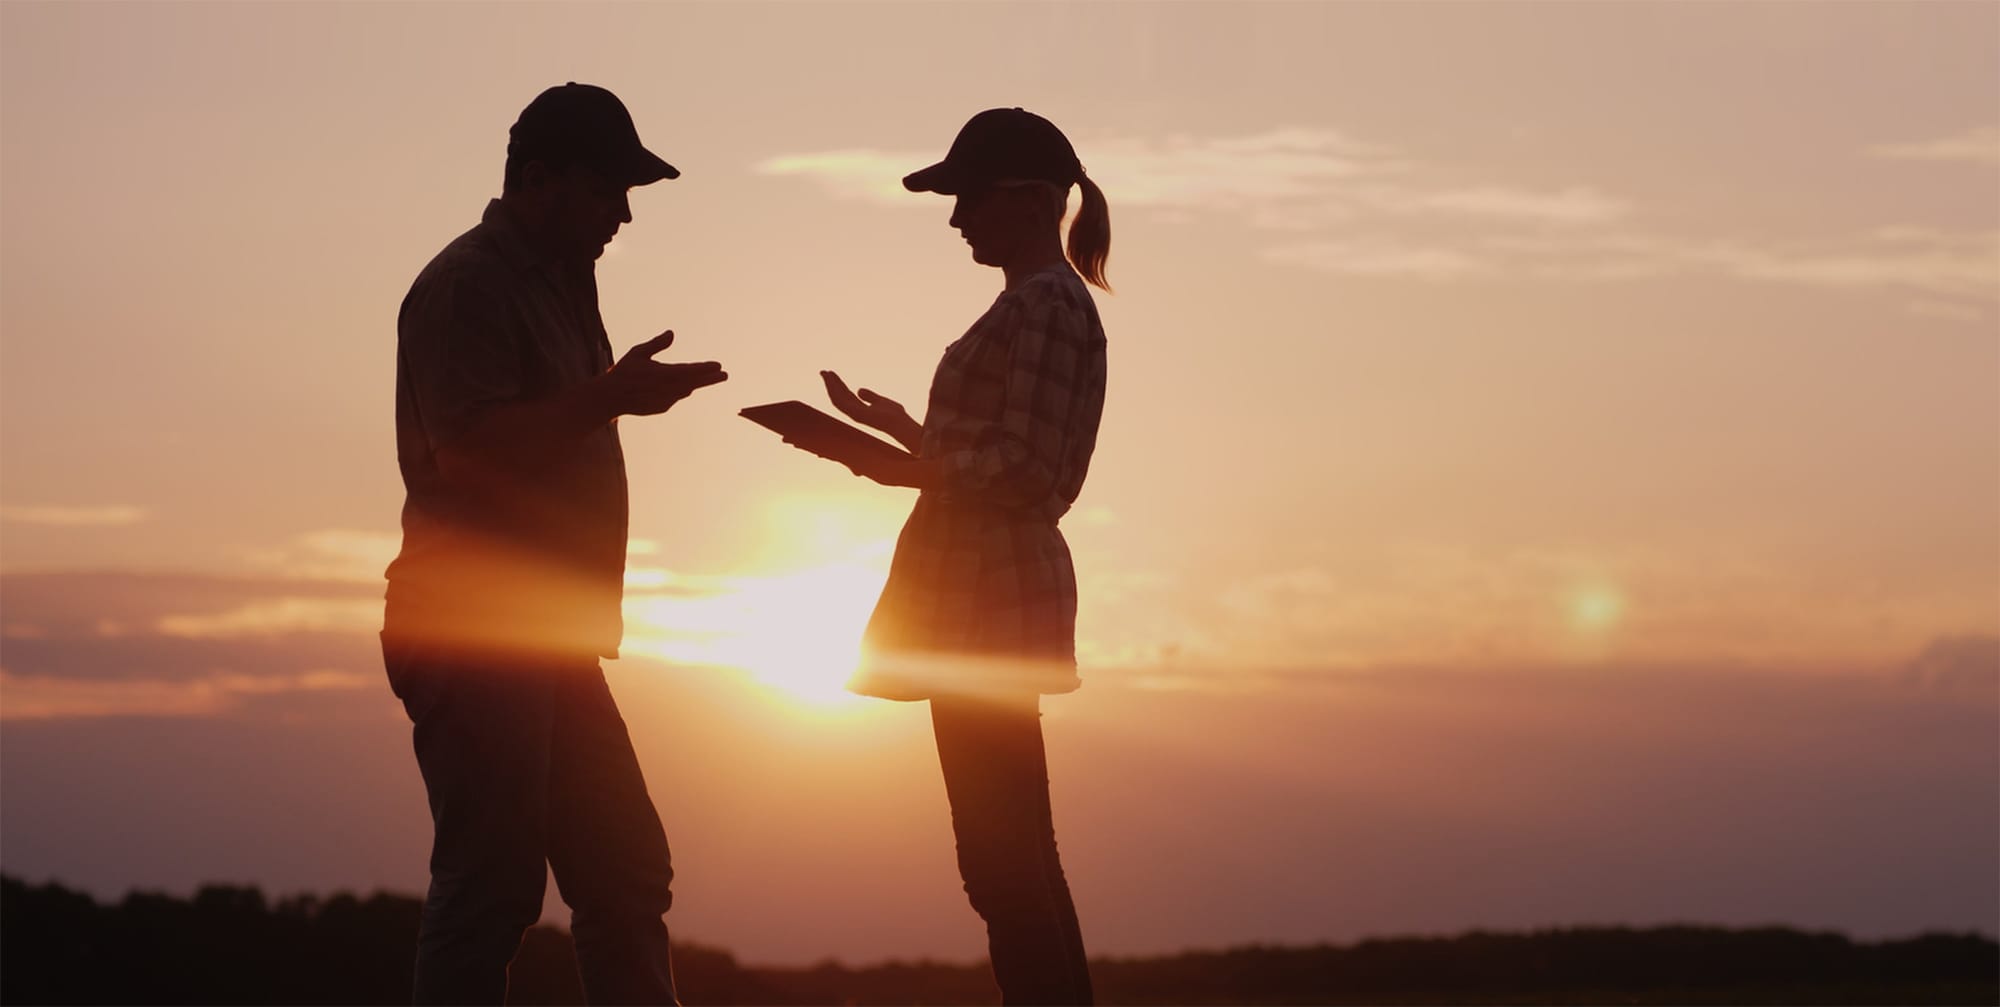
{"x":507,"y":590}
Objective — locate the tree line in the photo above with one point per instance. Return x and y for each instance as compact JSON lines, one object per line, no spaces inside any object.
{"x":231,"y":945}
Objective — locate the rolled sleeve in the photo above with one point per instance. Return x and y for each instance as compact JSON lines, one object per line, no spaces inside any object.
{"x":1016,"y":460}
{"x":460,"y":360}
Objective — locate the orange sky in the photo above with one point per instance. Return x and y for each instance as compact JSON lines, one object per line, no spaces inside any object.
{"x":1486,"y":338}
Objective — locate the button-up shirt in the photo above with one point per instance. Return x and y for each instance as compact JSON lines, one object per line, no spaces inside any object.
{"x":520,"y":561}
{"x":981,"y":594}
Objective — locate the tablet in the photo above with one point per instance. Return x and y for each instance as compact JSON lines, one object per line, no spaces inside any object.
{"x":811,"y":429}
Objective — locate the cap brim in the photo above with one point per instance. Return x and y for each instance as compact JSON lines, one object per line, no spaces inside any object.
{"x":939,"y":178}
{"x":646,"y":167}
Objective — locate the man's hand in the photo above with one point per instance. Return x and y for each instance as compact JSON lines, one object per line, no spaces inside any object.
{"x":638,"y":385}
{"x":523,"y":438}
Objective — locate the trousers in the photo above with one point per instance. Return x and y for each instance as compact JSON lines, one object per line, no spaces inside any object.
{"x":529,"y":769}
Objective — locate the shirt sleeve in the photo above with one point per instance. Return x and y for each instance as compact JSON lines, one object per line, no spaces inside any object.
{"x":1017,"y":460}
{"x":458,"y":357}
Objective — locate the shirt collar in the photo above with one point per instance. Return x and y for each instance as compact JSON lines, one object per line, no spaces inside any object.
{"x":511,"y":241}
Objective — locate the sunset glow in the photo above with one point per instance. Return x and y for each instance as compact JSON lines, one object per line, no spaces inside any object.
{"x":797,"y":633}
{"x":1548,"y":470}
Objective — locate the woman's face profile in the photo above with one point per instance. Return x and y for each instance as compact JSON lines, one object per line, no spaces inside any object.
{"x":997,"y":222}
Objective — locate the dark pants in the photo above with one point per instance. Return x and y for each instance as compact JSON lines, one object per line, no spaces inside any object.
{"x":997,"y":779}
{"x":529,"y":767}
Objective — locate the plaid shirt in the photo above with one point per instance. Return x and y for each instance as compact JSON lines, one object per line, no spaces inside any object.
{"x":981,"y":594}
{"x":532,"y":564}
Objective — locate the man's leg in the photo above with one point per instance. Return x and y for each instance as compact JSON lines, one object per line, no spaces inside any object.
{"x":608,"y":850}
{"x":996,"y":777}
{"x":481,"y":734}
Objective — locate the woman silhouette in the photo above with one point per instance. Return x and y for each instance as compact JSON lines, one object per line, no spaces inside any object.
{"x":979,"y":612}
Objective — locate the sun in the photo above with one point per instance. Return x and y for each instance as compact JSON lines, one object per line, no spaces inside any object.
{"x":796,"y":633}
{"x":791,"y":619}
{"x":804,"y":637}
{"x":1596,"y":609}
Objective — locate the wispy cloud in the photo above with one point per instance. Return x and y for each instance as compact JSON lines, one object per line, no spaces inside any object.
{"x":1914,"y":260}
{"x":1285,"y":178}
{"x":1369,"y":209}
{"x":168,"y":627}
{"x":859,"y":173}
{"x":57,"y":515}
{"x":342,"y":554}
{"x":1424,"y":603}
{"x":268,"y":617}
{"x":1382,"y":257}
{"x":1976,"y":145}
{"x":48,"y":698}
{"x":1572,"y":205}
{"x":164,"y":645}
{"x":1235,"y":173}
{"x":1966,"y":265}
{"x":1180,"y":172}
{"x":1957,"y":664}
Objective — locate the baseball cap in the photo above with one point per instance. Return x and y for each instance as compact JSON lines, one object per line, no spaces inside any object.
{"x":1000,"y":144}
{"x":588,"y":124}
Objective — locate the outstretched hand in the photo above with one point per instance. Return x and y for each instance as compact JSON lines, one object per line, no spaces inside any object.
{"x":868,"y":408}
{"x":642,"y":386}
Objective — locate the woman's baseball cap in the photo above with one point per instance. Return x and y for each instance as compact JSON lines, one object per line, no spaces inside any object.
{"x":1000,"y":144}
{"x":586,"y":124}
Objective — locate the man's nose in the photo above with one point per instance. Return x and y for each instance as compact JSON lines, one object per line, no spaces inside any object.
{"x":624,"y":208}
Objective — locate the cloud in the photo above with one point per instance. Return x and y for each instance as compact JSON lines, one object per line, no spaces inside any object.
{"x":268,"y":617}
{"x":343,"y":554}
{"x":1957,"y":664}
{"x":857,"y":173}
{"x":1925,"y":262}
{"x":1178,"y":172}
{"x":178,"y":628}
{"x":49,"y":698}
{"x":1234,"y":173}
{"x":1975,"y":145}
{"x":1402,"y":216}
{"x":1562,"y":603}
{"x":84,"y":604}
{"x":646,"y":581}
{"x":1568,"y":206}
{"x":176,"y":645}
{"x":1382,"y":257}
{"x":1966,"y":265}
{"x":1549,"y":798}
{"x":74,"y":517}
{"x":1286,"y":179}
{"x":108,"y":643}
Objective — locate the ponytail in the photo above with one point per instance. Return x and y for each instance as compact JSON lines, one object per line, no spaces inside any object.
{"x":1090,"y":234}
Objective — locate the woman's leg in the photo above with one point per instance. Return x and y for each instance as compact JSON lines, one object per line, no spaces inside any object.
{"x":996,"y":778}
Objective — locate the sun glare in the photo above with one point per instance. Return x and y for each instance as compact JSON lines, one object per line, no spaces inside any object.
{"x":1596,"y":609}
{"x":796,"y":632}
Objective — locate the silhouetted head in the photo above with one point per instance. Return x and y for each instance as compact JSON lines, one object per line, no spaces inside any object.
{"x":572,"y":157}
{"x":1011,"y":171}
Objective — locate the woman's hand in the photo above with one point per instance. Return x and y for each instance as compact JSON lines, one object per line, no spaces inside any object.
{"x":873,"y":410}
{"x":911,"y":472}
